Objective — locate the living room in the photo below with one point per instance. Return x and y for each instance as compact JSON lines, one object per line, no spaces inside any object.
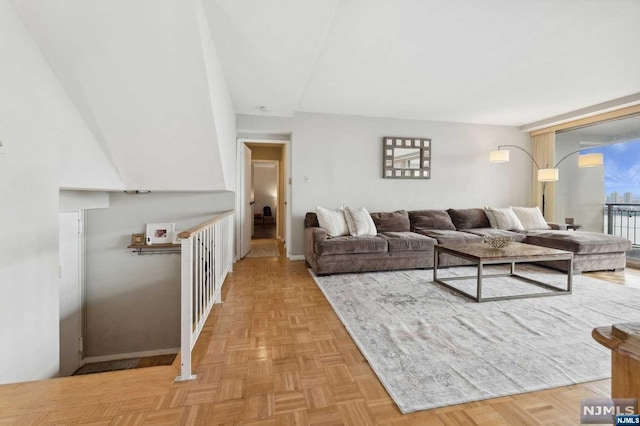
{"x":116,"y":114}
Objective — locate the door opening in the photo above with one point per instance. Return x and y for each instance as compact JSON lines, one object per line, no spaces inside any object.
{"x":266,"y":202}
{"x":71,"y":292}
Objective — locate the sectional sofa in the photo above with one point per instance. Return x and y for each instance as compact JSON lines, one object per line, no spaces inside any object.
{"x":405,"y":240}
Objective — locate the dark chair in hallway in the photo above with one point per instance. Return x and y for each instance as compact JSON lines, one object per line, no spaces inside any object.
{"x":266,"y":212}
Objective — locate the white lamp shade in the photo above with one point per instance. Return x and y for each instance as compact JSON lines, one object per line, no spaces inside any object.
{"x":591,"y":160}
{"x":547,"y":175}
{"x":499,"y":156}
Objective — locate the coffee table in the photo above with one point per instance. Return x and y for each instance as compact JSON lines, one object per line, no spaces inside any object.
{"x":481,"y":254}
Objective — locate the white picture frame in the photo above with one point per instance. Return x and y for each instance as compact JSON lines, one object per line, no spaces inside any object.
{"x":160,"y":233}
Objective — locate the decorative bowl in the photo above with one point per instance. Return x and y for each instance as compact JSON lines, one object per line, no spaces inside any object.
{"x":498,"y":242}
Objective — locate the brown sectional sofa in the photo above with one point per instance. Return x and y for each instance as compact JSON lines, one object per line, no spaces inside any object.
{"x":406,"y":240}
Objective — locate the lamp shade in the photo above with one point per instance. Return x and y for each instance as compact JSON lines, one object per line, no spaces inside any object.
{"x":547,"y":175}
{"x":499,"y":156}
{"x":594,"y":159}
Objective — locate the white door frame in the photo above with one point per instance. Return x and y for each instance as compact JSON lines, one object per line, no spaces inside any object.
{"x":287,"y":189}
{"x":81,"y":302}
{"x":245,"y":186}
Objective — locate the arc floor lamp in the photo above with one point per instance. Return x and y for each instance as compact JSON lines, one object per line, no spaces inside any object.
{"x":547,"y":174}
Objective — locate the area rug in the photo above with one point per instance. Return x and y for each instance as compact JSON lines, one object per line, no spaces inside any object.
{"x":431,"y":347}
{"x":264,"y":248}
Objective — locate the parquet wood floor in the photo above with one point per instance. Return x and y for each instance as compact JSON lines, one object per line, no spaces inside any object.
{"x":274,"y":353}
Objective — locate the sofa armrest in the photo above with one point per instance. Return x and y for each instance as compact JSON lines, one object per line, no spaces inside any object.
{"x":311,"y":236}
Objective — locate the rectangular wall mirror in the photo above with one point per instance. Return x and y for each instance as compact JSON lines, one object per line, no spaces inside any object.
{"x":406,"y":158}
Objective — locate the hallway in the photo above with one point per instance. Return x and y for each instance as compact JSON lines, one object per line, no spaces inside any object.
{"x":266,"y":231}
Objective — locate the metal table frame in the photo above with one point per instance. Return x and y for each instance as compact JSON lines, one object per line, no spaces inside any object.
{"x":481,"y":262}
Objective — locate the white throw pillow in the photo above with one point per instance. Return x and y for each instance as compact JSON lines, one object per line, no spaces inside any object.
{"x":360,"y":222}
{"x":503,"y":218}
{"x":332,"y":221}
{"x":491,"y":217}
{"x":531,"y":218}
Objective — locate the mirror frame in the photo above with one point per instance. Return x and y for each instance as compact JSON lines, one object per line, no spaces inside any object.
{"x":389,"y":143}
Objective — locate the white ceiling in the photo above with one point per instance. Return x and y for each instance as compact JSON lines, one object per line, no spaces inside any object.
{"x":496,"y":62}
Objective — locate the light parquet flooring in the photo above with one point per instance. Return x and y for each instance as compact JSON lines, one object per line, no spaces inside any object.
{"x":274,"y":353}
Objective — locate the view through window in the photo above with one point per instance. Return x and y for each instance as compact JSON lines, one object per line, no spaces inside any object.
{"x":612,"y":205}
{"x":621,"y":171}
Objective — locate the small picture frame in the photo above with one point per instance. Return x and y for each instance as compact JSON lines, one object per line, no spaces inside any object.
{"x":138,"y":239}
{"x":160,"y":233}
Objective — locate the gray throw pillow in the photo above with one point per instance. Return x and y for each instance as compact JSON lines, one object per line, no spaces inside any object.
{"x":397,"y":221}
{"x":469,"y":218}
{"x":430,"y":219}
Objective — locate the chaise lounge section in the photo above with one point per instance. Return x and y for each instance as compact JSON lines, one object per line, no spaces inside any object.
{"x":406,"y":240}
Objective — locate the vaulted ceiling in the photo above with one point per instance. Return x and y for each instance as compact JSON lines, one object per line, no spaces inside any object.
{"x":143,"y":75}
{"x":496,"y":61}
{"x":157,"y":82}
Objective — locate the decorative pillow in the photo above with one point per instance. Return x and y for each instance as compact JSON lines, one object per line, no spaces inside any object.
{"x":468,"y":218}
{"x":531,"y":218}
{"x":397,"y":221}
{"x":431,"y":219}
{"x":503,"y":219}
{"x":359,"y":222}
{"x":311,"y":220}
{"x":332,"y":221}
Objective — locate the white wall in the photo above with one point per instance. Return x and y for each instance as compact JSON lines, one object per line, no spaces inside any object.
{"x":35,"y":117}
{"x":133,"y":301}
{"x":83,"y":200}
{"x":263,"y":125}
{"x":337,"y":160}
{"x":221,"y":104}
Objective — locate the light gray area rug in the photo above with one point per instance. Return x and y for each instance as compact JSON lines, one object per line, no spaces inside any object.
{"x":431,"y":347}
{"x":264,"y":248}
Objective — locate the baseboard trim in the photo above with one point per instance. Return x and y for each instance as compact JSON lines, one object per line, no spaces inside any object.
{"x":296,"y":257}
{"x":633,"y":263}
{"x":128,"y":355}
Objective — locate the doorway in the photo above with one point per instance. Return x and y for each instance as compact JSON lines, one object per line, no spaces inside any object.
{"x":263,"y":203}
{"x":71,"y":291}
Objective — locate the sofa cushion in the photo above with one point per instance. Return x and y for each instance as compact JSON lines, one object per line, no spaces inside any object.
{"x":397,"y":221}
{"x":348,"y":245}
{"x":451,"y":237}
{"x":430,"y":219}
{"x":332,"y":221}
{"x":468,"y":218}
{"x":492,"y":232}
{"x":530,"y":217}
{"x":578,"y":242}
{"x":503,"y":218}
{"x":359,"y":221}
{"x":408,"y":241}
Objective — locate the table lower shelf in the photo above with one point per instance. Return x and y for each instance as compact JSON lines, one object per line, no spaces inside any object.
{"x":554,"y":291}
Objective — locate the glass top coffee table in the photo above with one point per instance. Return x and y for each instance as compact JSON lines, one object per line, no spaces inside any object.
{"x":481,"y":254}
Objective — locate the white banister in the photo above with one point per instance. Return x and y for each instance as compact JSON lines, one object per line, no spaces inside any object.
{"x":207,"y":258}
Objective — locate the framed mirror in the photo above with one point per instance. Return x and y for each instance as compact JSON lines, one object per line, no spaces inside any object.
{"x":406,"y":158}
